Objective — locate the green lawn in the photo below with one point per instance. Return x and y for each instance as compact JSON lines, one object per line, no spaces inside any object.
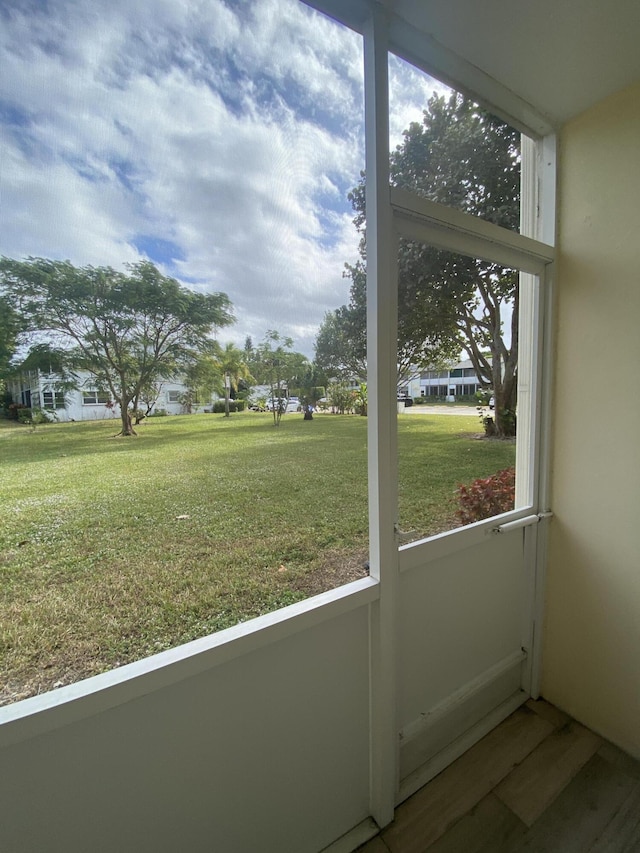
{"x":112,"y":549}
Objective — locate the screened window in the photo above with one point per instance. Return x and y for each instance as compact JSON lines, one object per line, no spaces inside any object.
{"x":190,"y":150}
{"x":94,"y":398}
{"x":53,"y":399}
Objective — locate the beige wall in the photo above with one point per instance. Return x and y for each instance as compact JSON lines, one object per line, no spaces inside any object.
{"x":591,"y":664}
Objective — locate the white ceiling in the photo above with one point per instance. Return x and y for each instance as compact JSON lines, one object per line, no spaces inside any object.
{"x":560,"y":56}
{"x":539,"y":62}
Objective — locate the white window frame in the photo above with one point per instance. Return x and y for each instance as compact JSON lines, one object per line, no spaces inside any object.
{"x":100,"y":398}
{"x":388,"y":208}
{"x":383,"y":31}
{"x":57,"y":399}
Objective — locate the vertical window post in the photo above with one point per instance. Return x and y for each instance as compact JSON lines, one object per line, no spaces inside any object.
{"x":382,"y":429}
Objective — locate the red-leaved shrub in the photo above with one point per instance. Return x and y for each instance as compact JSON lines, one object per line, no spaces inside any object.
{"x":486,"y":497}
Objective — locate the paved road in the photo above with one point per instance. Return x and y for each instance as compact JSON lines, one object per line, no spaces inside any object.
{"x":465,"y":411}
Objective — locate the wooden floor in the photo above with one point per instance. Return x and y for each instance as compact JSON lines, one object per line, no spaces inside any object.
{"x":538,"y":782}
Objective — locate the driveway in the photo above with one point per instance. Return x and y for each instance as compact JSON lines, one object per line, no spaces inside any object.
{"x":465,"y":411}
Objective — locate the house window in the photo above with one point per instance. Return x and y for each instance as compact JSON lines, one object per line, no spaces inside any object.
{"x":173,"y":396}
{"x":95,"y":398}
{"x":53,"y":399}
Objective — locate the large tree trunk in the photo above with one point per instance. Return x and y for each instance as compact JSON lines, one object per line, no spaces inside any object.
{"x":505,"y":416}
{"x":125,"y":416}
{"x":504,"y":395}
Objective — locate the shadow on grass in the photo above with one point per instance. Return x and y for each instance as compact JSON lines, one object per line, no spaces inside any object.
{"x":20,"y":445}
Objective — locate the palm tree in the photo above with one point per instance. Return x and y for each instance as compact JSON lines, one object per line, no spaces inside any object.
{"x":233,"y":367}
{"x":203,"y":375}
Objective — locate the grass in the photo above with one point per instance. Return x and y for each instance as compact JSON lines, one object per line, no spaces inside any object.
{"x":112,"y":549}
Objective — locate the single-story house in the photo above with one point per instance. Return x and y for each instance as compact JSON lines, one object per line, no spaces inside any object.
{"x":86,"y":402}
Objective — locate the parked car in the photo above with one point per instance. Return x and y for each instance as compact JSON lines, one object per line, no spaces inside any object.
{"x":406,"y":399}
{"x":290,"y":404}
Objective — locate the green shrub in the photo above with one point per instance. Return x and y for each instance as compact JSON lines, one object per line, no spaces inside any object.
{"x":341,"y":398}
{"x":486,"y":497}
{"x":23,"y":414}
{"x":158,"y":413}
{"x":40,"y":416}
{"x":11,"y":410}
{"x":234,"y":406}
{"x":6,"y":400}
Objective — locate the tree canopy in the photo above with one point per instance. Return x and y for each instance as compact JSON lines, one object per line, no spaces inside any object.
{"x":127,"y":329}
{"x":232,"y":365}
{"x":10,"y":328}
{"x":341,"y":342}
{"x":276,"y":364}
{"x":463,"y":157}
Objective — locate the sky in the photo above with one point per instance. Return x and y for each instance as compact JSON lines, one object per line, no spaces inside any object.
{"x":217,"y":139}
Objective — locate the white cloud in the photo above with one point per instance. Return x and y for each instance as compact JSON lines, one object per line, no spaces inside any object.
{"x":409,"y":91}
{"x":231,"y":131}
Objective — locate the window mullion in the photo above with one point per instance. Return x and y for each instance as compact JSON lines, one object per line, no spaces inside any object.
{"x":382,"y":427}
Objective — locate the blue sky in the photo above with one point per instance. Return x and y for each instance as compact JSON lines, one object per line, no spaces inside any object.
{"x":218,"y":139}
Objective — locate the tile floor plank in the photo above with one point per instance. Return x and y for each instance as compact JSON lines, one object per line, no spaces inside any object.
{"x":376,"y":845}
{"x":622,"y":835}
{"x":427,"y":815}
{"x":548,"y":712}
{"x":485,"y":829}
{"x":535,"y":783}
{"x":580,"y":814}
{"x":620,"y":759}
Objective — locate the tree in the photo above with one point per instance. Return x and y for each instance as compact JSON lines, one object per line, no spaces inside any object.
{"x":426,"y":331}
{"x":128,"y":330}
{"x":460,"y":156}
{"x":361,"y":399}
{"x":233,"y":367}
{"x":10,"y":327}
{"x":341,"y":342}
{"x":276,"y":365}
{"x":309,"y":390}
{"x":147,"y":397}
{"x":341,"y":397}
{"x":202,"y":375}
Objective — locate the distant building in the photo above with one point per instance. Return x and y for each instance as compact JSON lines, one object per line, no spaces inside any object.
{"x":457,"y":380}
{"x":40,"y":390}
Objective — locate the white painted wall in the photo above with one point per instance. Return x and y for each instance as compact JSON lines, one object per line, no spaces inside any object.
{"x":256,"y":739}
{"x":591,"y":662}
{"x":463,"y":600}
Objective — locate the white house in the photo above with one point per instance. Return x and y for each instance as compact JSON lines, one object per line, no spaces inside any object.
{"x":39,"y":390}
{"x":302,"y":730}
